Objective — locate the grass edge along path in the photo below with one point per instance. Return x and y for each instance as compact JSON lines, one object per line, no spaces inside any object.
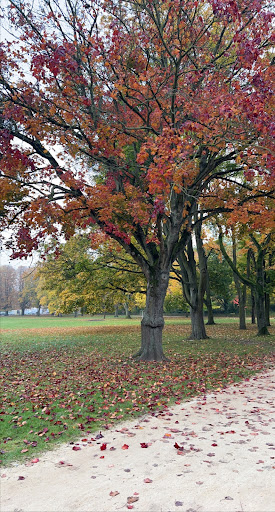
{"x":67,"y":382}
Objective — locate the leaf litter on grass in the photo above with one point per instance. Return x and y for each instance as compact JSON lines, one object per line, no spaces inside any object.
{"x":55,"y":387}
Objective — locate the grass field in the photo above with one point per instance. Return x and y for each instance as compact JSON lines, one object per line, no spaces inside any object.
{"x":64,"y":377}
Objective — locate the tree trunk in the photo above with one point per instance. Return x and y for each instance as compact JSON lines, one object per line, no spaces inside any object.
{"x":242,"y":303}
{"x":260,"y":295}
{"x":241,"y":290}
{"x":116,"y":310}
{"x":197,"y":322}
{"x":267,"y":308}
{"x":194,"y":291}
{"x":208,"y":303}
{"x":261,"y":317}
{"x":153,"y":322}
{"x":253,"y":306}
{"x":23,"y":312}
{"x":127,"y":312}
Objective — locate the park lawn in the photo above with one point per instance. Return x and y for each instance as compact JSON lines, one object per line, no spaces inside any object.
{"x":65,"y":381}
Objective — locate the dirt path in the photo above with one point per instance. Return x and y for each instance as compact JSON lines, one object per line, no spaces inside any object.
{"x":211,"y":454}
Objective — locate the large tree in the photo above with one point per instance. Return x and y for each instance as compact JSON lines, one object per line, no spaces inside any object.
{"x":121,"y":113}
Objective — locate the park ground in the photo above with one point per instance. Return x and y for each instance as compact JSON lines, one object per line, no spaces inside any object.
{"x":195,"y":425}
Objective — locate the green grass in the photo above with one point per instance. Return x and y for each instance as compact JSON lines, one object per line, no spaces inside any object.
{"x":67,"y":377}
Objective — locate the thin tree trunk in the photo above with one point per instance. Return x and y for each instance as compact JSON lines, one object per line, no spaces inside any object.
{"x":267,"y":308}
{"x":260,"y":294}
{"x":116,"y":310}
{"x":127,"y":312}
{"x":242,"y":305}
{"x":194,"y":291}
{"x":253,"y":307}
{"x":208,"y":303}
{"x":241,"y":290}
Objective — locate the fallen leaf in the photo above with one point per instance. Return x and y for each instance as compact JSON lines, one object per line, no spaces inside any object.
{"x":178,"y":503}
{"x":76,"y":448}
{"x":125,"y":447}
{"x":113,"y":493}
{"x":144,"y":445}
{"x":103,"y":446}
{"x":21,"y":478}
{"x":147,"y":480}
{"x":34,"y":461}
{"x":132,"y":499}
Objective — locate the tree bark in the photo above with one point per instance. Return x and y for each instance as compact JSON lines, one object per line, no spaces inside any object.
{"x":116,"y":311}
{"x":241,"y":290}
{"x":153,"y":322}
{"x":253,"y":306}
{"x":267,"y":309}
{"x":127,"y":312}
{"x":208,"y":303}
{"x":260,"y":293}
{"x":242,"y":305}
{"x":193,"y":291}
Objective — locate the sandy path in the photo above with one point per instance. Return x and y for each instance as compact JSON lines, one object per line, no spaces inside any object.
{"x":226,"y":461}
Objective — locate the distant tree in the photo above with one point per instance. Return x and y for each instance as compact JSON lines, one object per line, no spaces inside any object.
{"x":174,"y":300}
{"x":76,"y":278}
{"x":220,"y":280}
{"x":27,"y":279}
{"x":257,"y":281}
{"x":8,"y":291}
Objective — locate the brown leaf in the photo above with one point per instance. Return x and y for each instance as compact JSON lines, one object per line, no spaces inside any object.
{"x":113,"y":493}
{"x":132,"y":499}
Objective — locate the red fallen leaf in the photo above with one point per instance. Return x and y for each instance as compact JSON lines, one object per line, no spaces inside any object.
{"x":130,"y":506}
{"x":199,"y":483}
{"x":102,"y":457}
{"x":125,"y":447}
{"x":147,"y":480}
{"x":76,"y":448}
{"x":178,"y":447}
{"x":84,"y":440}
{"x":180,"y":452}
{"x":214,"y":444}
{"x":25,"y":450}
{"x":103,"y":446}
{"x":34,"y":461}
{"x":112,"y":449}
{"x":144,"y":445}
{"x":260,"y":462}
{"x":21,"y":478}
{"x":178,"y":403}
{"x":113,"y":493}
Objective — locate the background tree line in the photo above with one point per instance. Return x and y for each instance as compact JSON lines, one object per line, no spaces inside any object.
{"x":213,"y":275}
